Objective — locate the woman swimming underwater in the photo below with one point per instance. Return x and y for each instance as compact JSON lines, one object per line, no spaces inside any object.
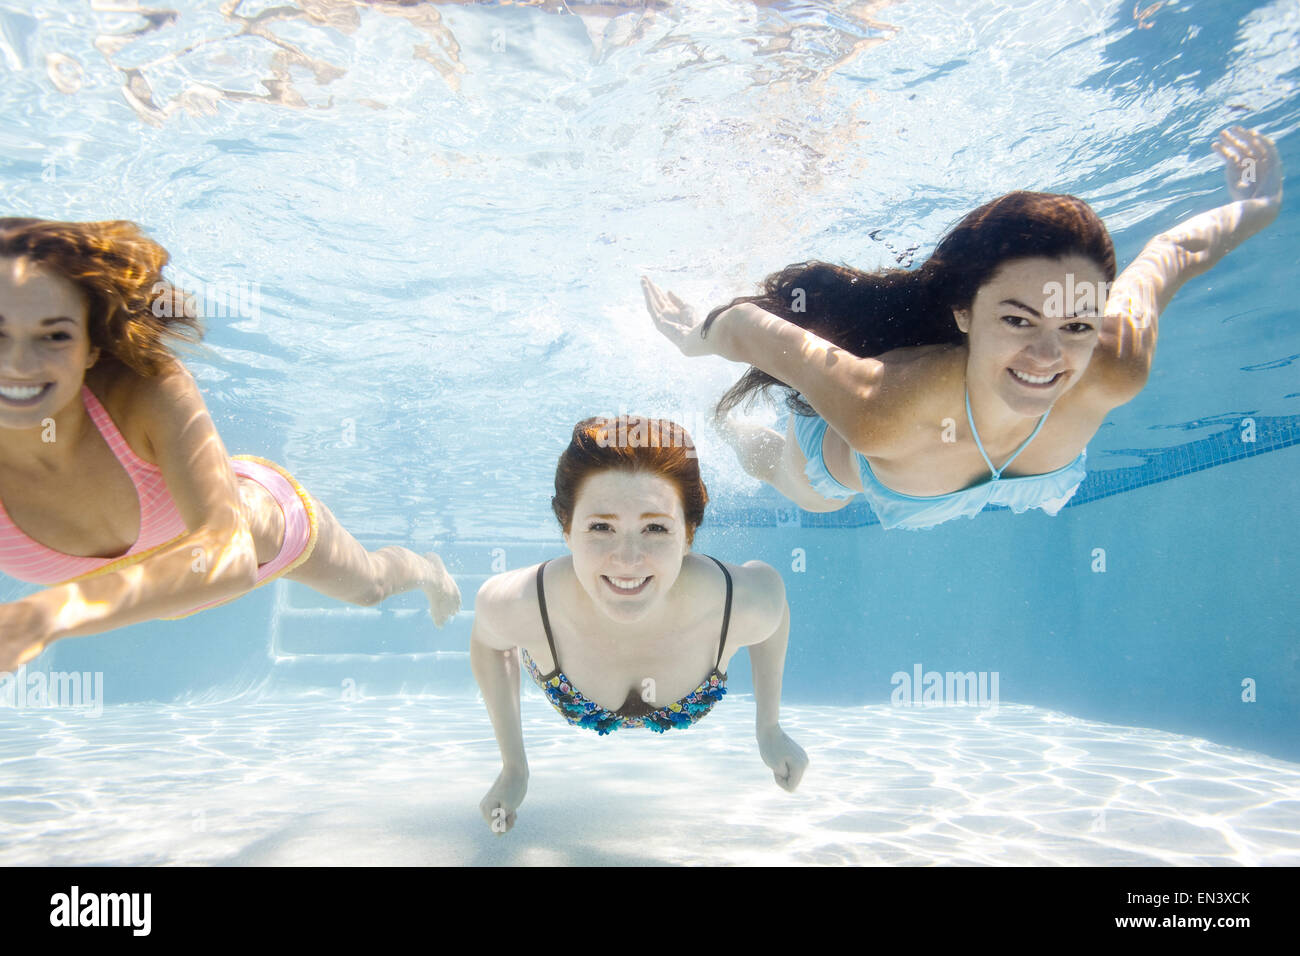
{"x":978,"y":378}
{"x":631,"y":615}
{"x":115,"y":488}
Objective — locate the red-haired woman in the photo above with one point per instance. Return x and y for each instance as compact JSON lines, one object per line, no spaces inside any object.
{"x":632,"y":616}
{"x":929,"y":391}
{"x":115,"y":488}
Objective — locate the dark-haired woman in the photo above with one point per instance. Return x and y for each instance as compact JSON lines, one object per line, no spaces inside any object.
{"x":978,"y":378}
{"x":115,"y":489}
{"x":642,"y":624}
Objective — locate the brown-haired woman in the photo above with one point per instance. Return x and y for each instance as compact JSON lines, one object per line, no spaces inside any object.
{"x":907,"y":386}
{"x":116,"y":489}
{"x":631,"y":615}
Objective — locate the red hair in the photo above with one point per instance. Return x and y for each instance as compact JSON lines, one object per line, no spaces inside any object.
{"x":635,"y":444}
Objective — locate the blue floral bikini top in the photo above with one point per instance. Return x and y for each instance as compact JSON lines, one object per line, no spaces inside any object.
{"x":635,"y":712}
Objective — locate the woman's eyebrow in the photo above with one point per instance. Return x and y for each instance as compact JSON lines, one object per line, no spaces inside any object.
{"x":1020,"y":305}
{"x":50,"y":321}
{"x":646,"y":514}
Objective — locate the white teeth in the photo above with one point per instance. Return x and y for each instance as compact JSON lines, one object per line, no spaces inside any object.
{"x":21,"y":393}
{"x":628,"y":584}
{"x":1032,"y":379}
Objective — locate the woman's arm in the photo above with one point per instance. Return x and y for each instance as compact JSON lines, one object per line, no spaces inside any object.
{"x":1126,"y":345}
{"x":786,"y":758}
{"x":494,"y":660}
{"x":853,"y":394}
{"x":214,"y":560}
{"x":767,"y":658}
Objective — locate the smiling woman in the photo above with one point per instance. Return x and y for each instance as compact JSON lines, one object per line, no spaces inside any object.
{"x":1000,"y":329}
{"x":115,"y":488}
{"x":636,"y":616}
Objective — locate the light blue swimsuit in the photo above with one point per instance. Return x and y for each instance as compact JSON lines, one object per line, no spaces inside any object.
{"x":1048,"y":491}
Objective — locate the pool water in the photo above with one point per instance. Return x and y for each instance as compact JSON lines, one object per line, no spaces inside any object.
{"x":419,"y":231}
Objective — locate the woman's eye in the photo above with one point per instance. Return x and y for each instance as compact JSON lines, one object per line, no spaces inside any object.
{"x":1080,"y":327}
{"x":1018,"y":321}
{"x":660,"y":529}
{"x":598,"y":526}
{"x":59,"y":336}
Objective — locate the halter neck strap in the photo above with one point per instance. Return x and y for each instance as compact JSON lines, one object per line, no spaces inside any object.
{"x":997,"y":472}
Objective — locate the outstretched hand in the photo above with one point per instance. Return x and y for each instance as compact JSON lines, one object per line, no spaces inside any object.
{"x":676,"y":320}
{"x":1254,"y":169}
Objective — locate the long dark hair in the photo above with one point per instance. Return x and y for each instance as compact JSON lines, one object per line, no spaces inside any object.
{"x":869,"y":313}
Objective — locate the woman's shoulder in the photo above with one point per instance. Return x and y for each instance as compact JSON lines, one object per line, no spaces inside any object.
{"x":122,"y":389}
{"x":137,"y":402}
{"x":916,"y":387}
{"x":758,"y":596}
{"x":931,"y":364}
{"x":748,"y":575}
{"x":508,"y":601}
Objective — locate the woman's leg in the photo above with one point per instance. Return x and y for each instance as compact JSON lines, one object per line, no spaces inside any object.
{"x":777,"y":459}
{"x":339,"y":567}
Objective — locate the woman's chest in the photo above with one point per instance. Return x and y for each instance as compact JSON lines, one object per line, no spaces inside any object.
{"x":947,"y":458}
{"x":611,"y":670}
{"x":88,"y":506}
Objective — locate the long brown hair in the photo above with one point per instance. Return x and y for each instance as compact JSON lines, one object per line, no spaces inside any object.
{"x":119,"y":269}
{"x":869,"y":313}
{"x":636,"y":444}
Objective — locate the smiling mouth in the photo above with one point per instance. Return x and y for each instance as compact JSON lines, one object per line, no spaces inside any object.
{"x":626,"y":585}
{"x":22,"y":396}
{"x":1035,"y":381}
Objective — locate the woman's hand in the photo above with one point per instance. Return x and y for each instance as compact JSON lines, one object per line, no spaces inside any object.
{"x":24,"y":631}
{"x":499,"y":806}
{"x":783,"y":756}
{"x":1254,"y":169}
{"x":676,"y":320}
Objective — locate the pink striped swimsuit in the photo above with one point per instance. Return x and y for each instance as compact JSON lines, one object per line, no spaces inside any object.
{"x":28,"y":560}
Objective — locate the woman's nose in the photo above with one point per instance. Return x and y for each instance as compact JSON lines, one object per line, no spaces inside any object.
{"x":1046,"y":347}
{"x":629,"y":552}
{"x":18,"y":359}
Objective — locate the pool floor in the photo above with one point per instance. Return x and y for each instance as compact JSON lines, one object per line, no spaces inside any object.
{"x":398,"y":781}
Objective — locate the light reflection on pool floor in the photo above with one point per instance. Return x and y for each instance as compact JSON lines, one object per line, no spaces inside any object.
{"x":398,"y":780}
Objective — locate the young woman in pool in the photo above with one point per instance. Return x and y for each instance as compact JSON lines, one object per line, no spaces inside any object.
{"x":930,"y":391}
{"x":631,"y":616}
{"x":115,"y":488}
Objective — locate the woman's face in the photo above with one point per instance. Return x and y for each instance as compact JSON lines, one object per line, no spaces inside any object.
{"x":628,"y":538}
{"x":1032,"y":329}
{"x":44,"y":346}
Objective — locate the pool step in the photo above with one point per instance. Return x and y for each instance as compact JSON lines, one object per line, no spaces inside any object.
{"x":355,"y":676}
{"x":306,"y":625}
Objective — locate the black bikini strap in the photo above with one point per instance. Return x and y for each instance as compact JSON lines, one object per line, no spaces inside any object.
{"x":546,"y":621}
{"x":726,"y":614}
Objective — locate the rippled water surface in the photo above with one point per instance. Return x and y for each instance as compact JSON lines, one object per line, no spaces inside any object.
{"x":445,"y":206}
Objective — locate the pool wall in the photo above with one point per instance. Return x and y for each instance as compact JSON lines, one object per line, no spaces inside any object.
{"x":1197,"y":596}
